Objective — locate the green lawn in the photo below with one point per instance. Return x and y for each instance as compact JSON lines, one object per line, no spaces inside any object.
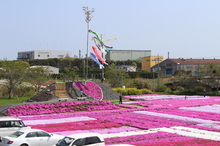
{"x":115,"y":101}
{"x":13,"y":100}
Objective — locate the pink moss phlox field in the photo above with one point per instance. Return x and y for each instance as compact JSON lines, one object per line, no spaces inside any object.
{"x":162,"y":97}
{"x":61,"y":107}
{"x":179,"y":102}
{"x":193,"y":142}
{"x":150,"y":138}
{"x":101,"y":131}
{"x":189,"y":113}
{"x":90,"y":88}
{"x":142,"y":121}
{"x":71,"y":126}
{"x":158,"y":123}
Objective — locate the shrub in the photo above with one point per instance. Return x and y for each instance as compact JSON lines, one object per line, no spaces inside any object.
{"x":199,"y":89}
{"x":138,"y":92}
{"x":132,"y":91}
{"x":180,"y":88}
{"x":161,"y":88}
{"x":120,"y":90}
{"x":188,"y":92}
{"x":169,"y":91}
{"x":141,"y":83}
{"x":146,"y":91}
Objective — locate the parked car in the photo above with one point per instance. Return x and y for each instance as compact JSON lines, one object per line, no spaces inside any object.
{"x":9,"y":125}
{"x":30,"y":137}
{"x":81,"y":139}
{"x":85,"y":139}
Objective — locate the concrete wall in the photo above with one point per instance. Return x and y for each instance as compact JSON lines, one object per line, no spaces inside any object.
{"x":121,"y":55}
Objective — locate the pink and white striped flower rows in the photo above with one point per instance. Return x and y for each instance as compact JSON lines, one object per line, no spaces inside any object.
{"x":160,"y":122}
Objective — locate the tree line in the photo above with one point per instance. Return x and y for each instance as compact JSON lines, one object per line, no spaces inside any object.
{"x":17,"y":72}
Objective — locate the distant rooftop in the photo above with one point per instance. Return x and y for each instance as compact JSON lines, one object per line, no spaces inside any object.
{"x":194,"y":61}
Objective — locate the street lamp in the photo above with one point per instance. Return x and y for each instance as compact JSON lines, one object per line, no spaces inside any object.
{"x":88,"y":14}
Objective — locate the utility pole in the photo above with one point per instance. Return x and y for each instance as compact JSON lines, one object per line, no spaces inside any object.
{"x":88,"y":14}
{"x":158,"y":72}
{"x":103,"y":56}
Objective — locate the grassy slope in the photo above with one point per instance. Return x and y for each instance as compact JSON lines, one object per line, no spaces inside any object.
{"x":5,"y":100}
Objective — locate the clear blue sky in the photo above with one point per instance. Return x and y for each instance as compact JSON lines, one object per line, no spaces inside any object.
{"x":184,"y":28}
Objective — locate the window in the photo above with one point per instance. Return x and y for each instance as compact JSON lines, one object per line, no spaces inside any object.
{"x":169,"y":64}
{"x":11,"y":124}
{"x":66,"y":141}
{"x":195,"y":72}
{"x":43,"y":134}
{"x":15,"y":124}
{"x":31,"y":134}
{"x":5,"y":124}
{"x":16,"y":134}
{"x":80,"y":142}
{"x":60,"y":56}
{"x":47,"y":55}
{"x":92,"y":140}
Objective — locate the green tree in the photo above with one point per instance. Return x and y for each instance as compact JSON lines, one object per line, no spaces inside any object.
{"x":116,"y":77}
{"x":141,"y":83}
{"x":14,"y":73}
{"x":209,"y":74}
{"x":181,"y":78}
{"x":37,"y":76}
{"x":134,"y":64}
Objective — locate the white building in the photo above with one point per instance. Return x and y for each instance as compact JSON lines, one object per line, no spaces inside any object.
{"x":51,"y":69}
{"x":44,"y":54}
{"x":126,"y":68}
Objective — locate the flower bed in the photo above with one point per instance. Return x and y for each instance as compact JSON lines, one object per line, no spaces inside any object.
{"x":143,"y":121}
{"x":90,"y":88}
{"x":193,"y":142}
{"x":171,"y":122}
{"x":150,"y":138}
{"x":71,"y":126}
{"x":67,"y":107}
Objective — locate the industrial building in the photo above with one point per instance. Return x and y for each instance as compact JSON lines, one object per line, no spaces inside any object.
{"x":122,"y":55}
{"x":44,"y":54}
{"x":169,"y":66}
{"x":149,"y":61}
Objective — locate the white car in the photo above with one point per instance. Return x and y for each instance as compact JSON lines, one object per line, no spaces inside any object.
{"x":9,"y":125}
{"x":81,"y":139}
{"x":30,"y":137}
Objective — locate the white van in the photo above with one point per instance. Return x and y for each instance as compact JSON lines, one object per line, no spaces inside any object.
{"x":9,"y":125}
